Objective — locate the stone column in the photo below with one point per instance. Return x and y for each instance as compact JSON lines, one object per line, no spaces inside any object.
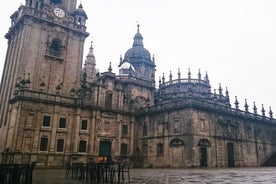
{"x":92,"y":132}
{"x":76,"y":129}
{"x":54,"y":125}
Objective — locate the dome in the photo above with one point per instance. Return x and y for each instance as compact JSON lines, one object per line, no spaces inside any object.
{"x":127,"y":65}
{"x":138,"y":53}
{"x":80,"y":11}
{"x":126,"y":69}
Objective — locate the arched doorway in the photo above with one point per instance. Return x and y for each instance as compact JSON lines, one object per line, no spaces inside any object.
{"x":203,"y":152}
{"x":177,"y":153}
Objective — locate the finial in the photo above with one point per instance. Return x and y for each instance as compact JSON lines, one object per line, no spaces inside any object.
{"x":121,"y":60}
{"x":246,"y":106}
{"x":220,"y":90}
{"x":189,"y":73}
{"x":138,"y":27}
{"x":254,"y":108}
{"x":206,"y":77}
{"x":80,"y":6}
{"x":170,"y":75}
{"x":163,"y":78}
{"x":110,"y":68}
{"x":179,"y":74}
{"x":199,"y":74}
{"x":153,"y":58}
{"x":236,"y":103}
{"x":263,"y":111}
{"x":227,"y":93}
{"x":160,"y":81}
{"x":270,"y":113}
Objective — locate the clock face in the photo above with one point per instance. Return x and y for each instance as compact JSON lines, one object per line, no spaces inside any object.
{"x":59,"y":12}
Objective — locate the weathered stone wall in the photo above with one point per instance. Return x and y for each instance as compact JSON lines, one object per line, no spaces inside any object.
{"x":251,"y":141}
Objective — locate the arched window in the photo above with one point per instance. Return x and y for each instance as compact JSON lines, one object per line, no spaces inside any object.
{"x":55,"y":48}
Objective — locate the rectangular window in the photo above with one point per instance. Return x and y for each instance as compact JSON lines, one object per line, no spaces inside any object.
{"x":176,"y":126}
{"x":84,"y":124}
{"x":62,"y":122}
{"x":123,"y":149}
{"x":160,"y":128}
{"x":160,"y":149}
{"x":60,"y":145}
{"x":125,"y":130}
{"x":46,"y":121}
{"x":43,"y":144}
{"x":82,"y":146}
{"x":202,"y":124}
{"x":145,"y":130}
{"x":145,"y":149}
{"x":108,"y":100}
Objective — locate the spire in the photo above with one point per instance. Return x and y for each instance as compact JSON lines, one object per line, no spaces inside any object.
{"x":90,"y":65}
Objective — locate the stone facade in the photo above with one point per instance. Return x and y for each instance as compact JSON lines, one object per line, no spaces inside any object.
{"x":55,"y":110}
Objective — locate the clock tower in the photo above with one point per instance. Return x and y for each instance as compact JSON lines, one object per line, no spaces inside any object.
{"x":45,"y":52}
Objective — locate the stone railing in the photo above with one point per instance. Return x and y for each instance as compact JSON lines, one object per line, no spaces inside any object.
{"x":206,"y":105}
{"x":178,"y":81}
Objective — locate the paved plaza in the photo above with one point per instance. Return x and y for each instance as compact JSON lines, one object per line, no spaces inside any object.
{"x":173,"y":176}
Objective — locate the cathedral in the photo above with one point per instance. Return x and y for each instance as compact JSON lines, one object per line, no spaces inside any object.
{"x":56,"y":109}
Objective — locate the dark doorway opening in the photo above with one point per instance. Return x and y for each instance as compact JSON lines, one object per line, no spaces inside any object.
{"x":104,"y":151}
{"x":230,"y":155}
{"x":203,"y":157}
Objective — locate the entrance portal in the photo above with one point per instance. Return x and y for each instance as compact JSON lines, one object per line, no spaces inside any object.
{"x":203,"y":157}
{"x":104,"y":151}
{"x":230,"y":155}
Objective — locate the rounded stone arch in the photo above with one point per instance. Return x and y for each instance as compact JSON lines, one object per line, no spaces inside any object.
{"x":204,"y":143}
{"x":176,"y":142}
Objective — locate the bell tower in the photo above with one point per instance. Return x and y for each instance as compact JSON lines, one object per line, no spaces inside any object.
{"x":45,"y":50}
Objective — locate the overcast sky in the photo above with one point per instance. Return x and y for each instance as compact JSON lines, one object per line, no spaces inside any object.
{"x":234,"y":41}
